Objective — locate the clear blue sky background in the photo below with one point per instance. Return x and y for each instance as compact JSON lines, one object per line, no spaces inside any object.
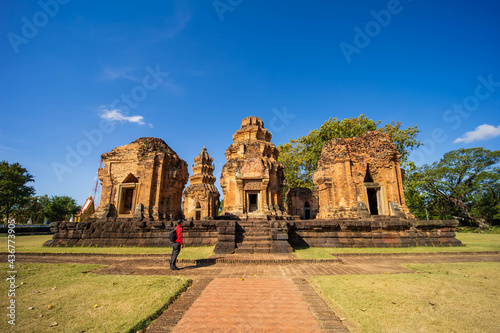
{"x":227,"y":63}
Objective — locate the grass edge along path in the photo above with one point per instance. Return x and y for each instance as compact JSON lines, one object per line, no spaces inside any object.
{"x":48,"y":293}
{"x":448,"y":297}
{"x":474,"y":242}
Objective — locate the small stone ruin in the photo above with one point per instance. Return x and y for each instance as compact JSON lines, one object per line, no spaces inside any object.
{"x":201,"y":197}
{"x":302,"y":203}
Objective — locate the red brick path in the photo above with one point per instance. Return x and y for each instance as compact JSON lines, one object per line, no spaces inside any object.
{"x":249,"y":305}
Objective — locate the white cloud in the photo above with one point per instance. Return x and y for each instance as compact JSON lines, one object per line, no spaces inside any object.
{"x":109,"y":73}
{"x":482,"y":132}
{"x":117,"y":115}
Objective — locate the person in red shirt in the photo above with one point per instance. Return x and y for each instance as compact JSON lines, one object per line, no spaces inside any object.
{"x":176,"y":247}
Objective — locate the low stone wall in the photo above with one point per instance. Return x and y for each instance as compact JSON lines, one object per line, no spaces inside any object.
{"x":130,"y":232}
{"x":390,"y":232}
{"x":381,"y":232}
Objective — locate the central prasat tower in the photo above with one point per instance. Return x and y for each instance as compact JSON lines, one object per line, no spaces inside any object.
{"x":252,"y":178}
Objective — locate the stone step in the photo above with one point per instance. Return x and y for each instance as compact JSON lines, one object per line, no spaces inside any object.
{"x":244,"y":251}
{"x":247,"y":223}
{"x":253,"y":228}
{"x":254,"y":244}
{"x":254,"y":234}
{"x":257,"y":238}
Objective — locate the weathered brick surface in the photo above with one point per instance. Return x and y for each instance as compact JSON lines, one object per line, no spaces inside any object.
{"x":349,"y":169}
{"x":249,"y":305}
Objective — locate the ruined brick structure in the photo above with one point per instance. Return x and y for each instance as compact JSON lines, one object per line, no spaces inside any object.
{"x":358,"y":200}
{"x":252,"y":179}
{"x":142,"y":179}
{"x":360,"y":177}
{"x":302,"y":203}
{"x":201,"y":197}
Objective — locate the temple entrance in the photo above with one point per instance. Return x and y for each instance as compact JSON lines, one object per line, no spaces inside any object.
{"x":126,"y":199}
{"x":197,"y":215}
{"x":372,"y":200}
{"x":126,"y":195}
{"x":307,"y":211}
{"x":253,"y":202}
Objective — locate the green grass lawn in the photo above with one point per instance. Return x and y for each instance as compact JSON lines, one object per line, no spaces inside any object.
{"x":474,"y":242}
{"x":78,"y":300}
{"x":463,"y":297}
{"x":35,"y":244}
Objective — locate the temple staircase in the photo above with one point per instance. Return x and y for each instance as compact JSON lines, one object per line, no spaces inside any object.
{"x":253,"y":237}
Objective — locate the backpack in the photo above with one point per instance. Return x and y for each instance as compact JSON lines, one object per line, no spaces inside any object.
{"x":173,"y":235}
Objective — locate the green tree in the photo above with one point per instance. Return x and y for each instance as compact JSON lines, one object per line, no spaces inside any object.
{"x":60,"y":208}
{"x":32,"y":209}
{"x":14,"y":192}
{"x":300,"y":157}
{"x":465,"y":183}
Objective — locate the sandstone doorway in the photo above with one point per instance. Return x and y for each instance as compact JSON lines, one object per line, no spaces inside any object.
{"x":372,"y":200}
{"x":127,"y":192}
{"x":307,"y":211}
{"x":253,"y":199}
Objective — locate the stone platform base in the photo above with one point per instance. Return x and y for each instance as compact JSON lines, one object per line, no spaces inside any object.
{"x":378,"y":232}
{"x":230,"y":236}
{"x":130,"y":232}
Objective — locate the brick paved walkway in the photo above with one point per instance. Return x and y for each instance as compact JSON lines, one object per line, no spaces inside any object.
{"x":249,"y":305}
{"x":219,"y":301}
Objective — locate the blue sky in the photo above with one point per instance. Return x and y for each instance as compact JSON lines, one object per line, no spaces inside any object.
{"x":189,"y":71}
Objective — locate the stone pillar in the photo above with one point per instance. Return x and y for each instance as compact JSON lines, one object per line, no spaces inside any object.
{"x":264,"y":196}
{"x":241,"y":202}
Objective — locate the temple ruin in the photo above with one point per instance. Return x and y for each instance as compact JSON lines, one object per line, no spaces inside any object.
{"x":358,"y":199}
{"x":142,"y":179}
{"x":252,"y":178}
{"x":201,"y":197}
{"x":360,"y":177}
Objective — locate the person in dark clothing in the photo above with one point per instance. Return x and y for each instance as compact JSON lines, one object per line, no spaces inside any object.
{"x":177,"y":246}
